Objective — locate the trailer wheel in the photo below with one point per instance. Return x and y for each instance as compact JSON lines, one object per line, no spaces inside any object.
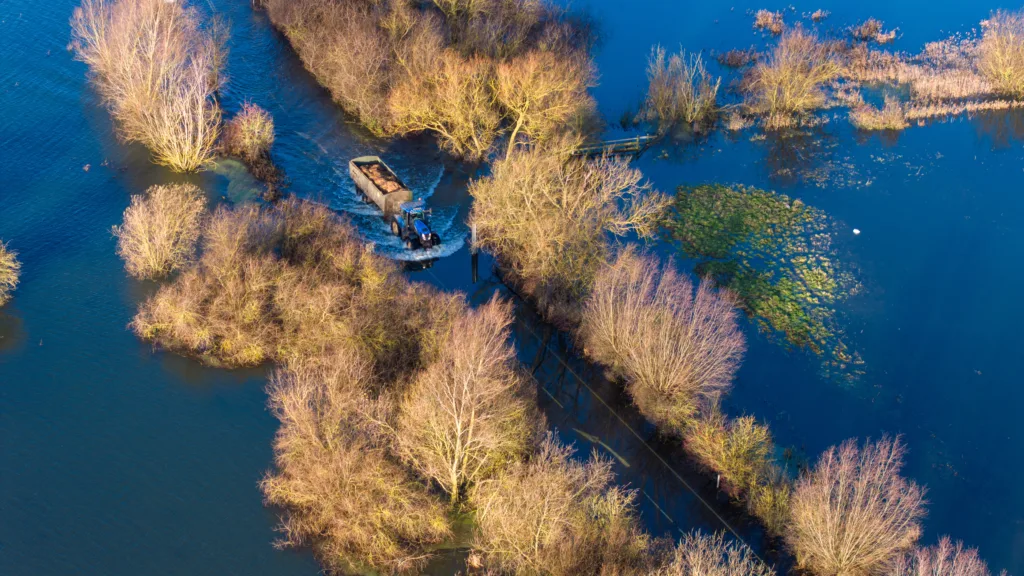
{"x":394,"y":228}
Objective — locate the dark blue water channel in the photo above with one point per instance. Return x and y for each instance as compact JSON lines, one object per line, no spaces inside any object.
{"x":118,"y":460}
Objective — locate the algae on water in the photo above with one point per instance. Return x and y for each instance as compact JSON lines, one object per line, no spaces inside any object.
{"x":776,"y":255}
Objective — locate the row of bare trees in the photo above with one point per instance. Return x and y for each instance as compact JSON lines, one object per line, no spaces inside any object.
{"x":548,"y":218}
{"x":468,"y":72}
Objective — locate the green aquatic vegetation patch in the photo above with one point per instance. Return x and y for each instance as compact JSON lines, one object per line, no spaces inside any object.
{"x":776,"y":256}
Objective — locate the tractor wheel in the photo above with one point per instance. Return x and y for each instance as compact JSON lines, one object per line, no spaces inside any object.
{"x":435,"y":239}
{"x":408,"y":244}
{"x":394,"y":228}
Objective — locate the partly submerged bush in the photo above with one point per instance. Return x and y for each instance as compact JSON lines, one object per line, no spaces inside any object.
{"x":546,"y":217}
{"x":160,"y":230}
{"x":739,"y":449}
{"x":698,"y":554}
{"x":871,"y":30}
{"x":250,"y":134}
{"x":469,"y":414}
{"x":340,"y":490}
{"x":943,"y":559}
{"x":854,"y":513}
{"x":769,"y":21}
{"x":790,"y":80}
{"x":158,"y":69}
{"x":680,"y":91}
{"x":890,"y":117}
{"x":768,"y":500}
{"x":677,"y":349}
{"x":10,"y":271}
{"x":556,"y":515}
{"x":1001,"y":53}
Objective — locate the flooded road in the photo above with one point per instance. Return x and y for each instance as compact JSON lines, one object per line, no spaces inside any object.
{"x":118,"y":460}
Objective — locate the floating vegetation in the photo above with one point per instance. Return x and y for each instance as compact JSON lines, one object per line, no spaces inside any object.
{"x":776,"y":255}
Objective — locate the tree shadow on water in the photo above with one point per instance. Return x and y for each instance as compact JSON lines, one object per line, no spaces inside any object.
{"x":12,"y":331}
{"x":1002,"y":127}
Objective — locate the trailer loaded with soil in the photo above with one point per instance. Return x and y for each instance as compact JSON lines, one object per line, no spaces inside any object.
{"x":377,"y":182}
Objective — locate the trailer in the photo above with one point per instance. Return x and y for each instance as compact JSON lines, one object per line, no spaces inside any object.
{"x":408,"y":219}
{"x":378,"y":183}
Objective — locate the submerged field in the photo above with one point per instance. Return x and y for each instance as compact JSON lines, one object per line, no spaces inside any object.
{"x":118,"y":459}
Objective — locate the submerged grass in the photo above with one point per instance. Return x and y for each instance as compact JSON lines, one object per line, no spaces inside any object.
{"x":776,"y":256}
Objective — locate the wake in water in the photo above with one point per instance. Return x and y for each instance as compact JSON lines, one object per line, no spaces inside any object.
{"x":369,"y":220}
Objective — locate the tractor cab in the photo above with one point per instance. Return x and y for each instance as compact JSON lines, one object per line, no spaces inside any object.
{"x":412,"y":225}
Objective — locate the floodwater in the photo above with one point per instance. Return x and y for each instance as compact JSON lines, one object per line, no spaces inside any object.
{"x":118,"y":460}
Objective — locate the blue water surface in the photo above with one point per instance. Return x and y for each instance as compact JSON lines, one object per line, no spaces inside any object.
{"x":115,"y":459}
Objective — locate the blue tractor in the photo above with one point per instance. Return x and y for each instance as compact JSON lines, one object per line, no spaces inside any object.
{"x":411,"y":224}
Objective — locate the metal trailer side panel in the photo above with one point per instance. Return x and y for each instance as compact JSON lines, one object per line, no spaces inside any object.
{"x":388,"y":203}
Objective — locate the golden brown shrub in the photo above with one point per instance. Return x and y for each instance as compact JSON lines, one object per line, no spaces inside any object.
{"x":854,"y":513}
{"x":768,"y":500}
{"x":547,"y":216}
{"x":158,"y":70}
{"x":871,"y":30}
{"x":680,"y":91}
{"x":470,"y":414}
{"x":543,"y":94}
{"x":739,"y":449}
{"x":1001,"y":52}
{"x":790,"y":80}
{"x":250,"y":134}
{"x":769,"y":21}
{"x":341,"y":491}
{"x":555,"y":515}
{"x":10,"y":271}
{"x":702,"y":555}
{"x":160,"y":230}
{"x":676,"y":349}
{"x":891,"y":117}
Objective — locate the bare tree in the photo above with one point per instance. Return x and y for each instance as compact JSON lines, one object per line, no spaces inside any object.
{"x":546,"y":216}
{"x":702,"y":555}
{"x":469,"y":414}
{"x":158,"y":70}
{"x":453,"y":102}
{"x":160,"y":230}
{"x":854,"y":513}
{"x":542,"y":94}
{"x":1001,"y":52}
{"x":10,"y":271}
{"x":675,"y":348}
{"x":943,"y":559}
{"x":555,"y":515}
{"x":341,"y":490}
